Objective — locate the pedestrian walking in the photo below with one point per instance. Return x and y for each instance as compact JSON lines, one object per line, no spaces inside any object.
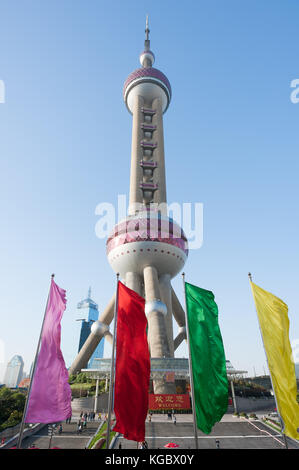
{"x":174,"y":420}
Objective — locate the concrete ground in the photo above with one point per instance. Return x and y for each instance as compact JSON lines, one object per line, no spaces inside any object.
{"x":69,"y":439}
{"x":232,"y":433}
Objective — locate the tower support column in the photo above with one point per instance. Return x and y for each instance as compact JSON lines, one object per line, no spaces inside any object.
{"x":133,"y":281}
{"x":165,"y":291}
{"x":156,"y":312}
{"x":178,"y":311}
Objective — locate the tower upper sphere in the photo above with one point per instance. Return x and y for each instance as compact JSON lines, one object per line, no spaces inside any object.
{"x":147,"y":81}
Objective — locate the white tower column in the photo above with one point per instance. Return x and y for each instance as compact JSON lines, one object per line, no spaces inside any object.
{"x":165,"y":291}
{"x":157,"y":335}
{"x":133,"y":281}
{"x":159,"y":175}
{"x":136,"y":195}
{"x":156,"y":312}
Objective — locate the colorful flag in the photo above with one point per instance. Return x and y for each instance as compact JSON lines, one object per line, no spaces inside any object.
{"x":50,"y":397}
{"x":274,"y":324}
{"x":207,"y":356}
{"x":132,"y":368}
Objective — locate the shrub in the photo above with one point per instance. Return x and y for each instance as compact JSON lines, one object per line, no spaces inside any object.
{"x":14,"y":419}
{"x":11,"y":407}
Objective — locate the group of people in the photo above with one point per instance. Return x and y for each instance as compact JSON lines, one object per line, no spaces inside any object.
{"x":90,"y":416}
{"x":84,"y":417}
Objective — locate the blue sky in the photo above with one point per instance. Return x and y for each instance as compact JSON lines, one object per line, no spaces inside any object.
{"x":231,"y":142}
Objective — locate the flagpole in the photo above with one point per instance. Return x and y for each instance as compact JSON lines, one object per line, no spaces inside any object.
{"x":280,"y":418}
{"x":190,"y":369}
{"x":32,"y":375}
{"x":110,"y":399}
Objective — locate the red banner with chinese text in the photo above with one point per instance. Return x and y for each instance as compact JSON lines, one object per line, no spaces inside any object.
{"x":175,"y":402}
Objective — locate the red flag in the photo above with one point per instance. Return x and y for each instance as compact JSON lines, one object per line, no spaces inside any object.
{"x":132,"y":368}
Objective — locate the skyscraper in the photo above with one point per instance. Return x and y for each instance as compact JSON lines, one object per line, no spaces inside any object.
{"x":14,"y":372}
{"x":147,"y":248}
{"x":89,"y":313}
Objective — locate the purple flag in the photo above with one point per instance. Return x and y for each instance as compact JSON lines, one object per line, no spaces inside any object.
{"x":50,"y":397}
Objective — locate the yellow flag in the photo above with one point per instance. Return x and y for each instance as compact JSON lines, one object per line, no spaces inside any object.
{"x":274,"y":323}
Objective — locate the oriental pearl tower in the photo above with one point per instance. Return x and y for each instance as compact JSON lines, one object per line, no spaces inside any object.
{"x":147,"y":248}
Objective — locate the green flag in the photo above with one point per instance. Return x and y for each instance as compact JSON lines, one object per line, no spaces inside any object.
{"x":207,"y":356}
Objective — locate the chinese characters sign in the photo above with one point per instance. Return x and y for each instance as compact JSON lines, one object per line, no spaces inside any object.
{"x":175,"y":402}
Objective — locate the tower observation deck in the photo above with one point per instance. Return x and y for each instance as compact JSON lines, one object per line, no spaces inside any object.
{"x":147,"y":248}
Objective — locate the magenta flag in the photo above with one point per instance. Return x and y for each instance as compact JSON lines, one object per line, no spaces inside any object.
{"x":50,"y":397}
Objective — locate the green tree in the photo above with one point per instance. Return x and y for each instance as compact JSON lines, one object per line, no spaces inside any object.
{"x":11,"y":407}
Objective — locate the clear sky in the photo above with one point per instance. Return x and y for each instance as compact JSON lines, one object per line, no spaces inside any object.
{"x":231,"y":142}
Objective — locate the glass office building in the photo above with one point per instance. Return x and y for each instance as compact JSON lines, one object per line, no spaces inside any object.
{"x":89,"y":313}
{"x":14,"y":372}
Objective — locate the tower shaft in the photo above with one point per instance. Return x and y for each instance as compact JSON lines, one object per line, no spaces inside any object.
{"x":147,"y":178}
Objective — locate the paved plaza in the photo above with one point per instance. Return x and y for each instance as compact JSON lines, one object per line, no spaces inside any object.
{"x":232,"y":433}
{"x":69,"y":439}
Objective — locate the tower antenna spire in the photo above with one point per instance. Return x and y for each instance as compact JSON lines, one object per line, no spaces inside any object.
{"x":147,"y":30}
